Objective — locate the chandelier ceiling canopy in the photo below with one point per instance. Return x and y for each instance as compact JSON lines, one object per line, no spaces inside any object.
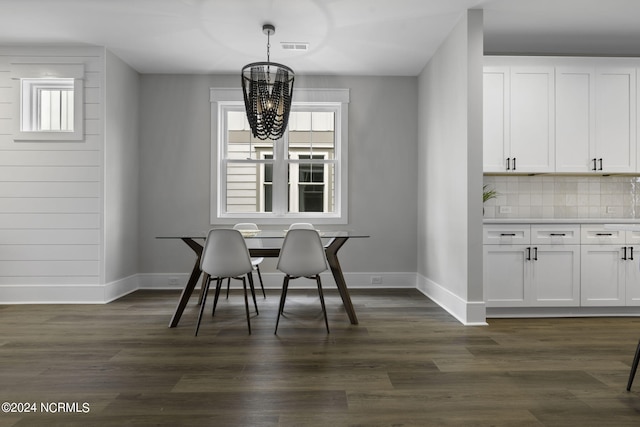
{"x":267,"y":90}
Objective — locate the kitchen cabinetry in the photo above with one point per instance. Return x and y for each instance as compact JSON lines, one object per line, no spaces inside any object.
{"x":595,"y":119}
{"x":519,"y":131}
{"x":531,"y":265}
{"x":560,"y":115}
{"x":610,"y":267}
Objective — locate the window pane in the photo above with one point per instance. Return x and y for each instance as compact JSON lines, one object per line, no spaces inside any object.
{"x":311,"y":198}
{"x":249,"y":187}
{"x":312,"y":187}
{"x":241,"y":142}
{"x":314,"y":133}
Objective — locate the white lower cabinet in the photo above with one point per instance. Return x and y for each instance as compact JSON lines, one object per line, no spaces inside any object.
{"x":610,"y":267}
{"x":532,"y":265}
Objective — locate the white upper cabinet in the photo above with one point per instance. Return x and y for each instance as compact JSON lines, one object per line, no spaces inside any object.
{"x":532,"y":119}
{"x":575,"y":119}
{"x":615,"y":120}
{"x":564,"y":115}
{"x":519,"y":119}
{"x":496,"y":119}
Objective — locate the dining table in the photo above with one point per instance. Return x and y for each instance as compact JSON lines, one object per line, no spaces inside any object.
{"x":267,"y":243}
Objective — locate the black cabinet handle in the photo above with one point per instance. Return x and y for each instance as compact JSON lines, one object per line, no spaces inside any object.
{"x":624,"y":257}
{"x":604,"y":234}
{"x":600,"y":168}
{"x":508,"y":163}
{"x":508,"y":234}
{"x":557,"y":234}
{"x":631,"y":253}
{"x":528,"y":254}
{"x":594,"y":164}
{"x":514,"y":163}
{"x":535,"y":253}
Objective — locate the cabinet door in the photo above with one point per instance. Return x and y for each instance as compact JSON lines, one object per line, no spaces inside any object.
{"x":615,"y":119}
{"x":506,"y":270}
{"x":632,"y":270}
{"x":555,"y":276}
{"x":602,"y":275}
{"x":532,"y":119}
{"x":495,"y":134}
{"x":574,"y":119}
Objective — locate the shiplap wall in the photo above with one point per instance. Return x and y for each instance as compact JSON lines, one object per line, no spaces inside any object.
{"x":51,"y":193}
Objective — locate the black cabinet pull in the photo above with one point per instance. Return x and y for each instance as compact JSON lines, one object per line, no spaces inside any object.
{"x":631,"y":253}
{"x":624,"y":257}
{"x":604,"y":234}
{"x":600,"y":168}
{"x":508,"y":234}
{"x":557,"y":234}
{"x":594,"y":164}
{"x":508,"y":163}
{"x":535,"y":253}
{"x":514,"y":163}
{"x":528,"y":254}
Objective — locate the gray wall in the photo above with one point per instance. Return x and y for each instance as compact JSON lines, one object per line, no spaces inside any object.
{"x":450,"y":176}
{"x":120,"y":169}
{"x":383,"y":167}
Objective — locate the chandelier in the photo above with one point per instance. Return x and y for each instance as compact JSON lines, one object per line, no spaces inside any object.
{"x":267,"y":89}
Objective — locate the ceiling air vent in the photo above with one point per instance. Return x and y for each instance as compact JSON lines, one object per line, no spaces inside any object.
{"x":300,"y":46}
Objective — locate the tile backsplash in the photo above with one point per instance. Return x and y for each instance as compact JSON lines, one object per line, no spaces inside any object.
{"x":559,"y":197}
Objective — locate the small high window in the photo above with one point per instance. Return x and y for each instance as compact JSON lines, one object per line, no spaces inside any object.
{"x":49,"y":101}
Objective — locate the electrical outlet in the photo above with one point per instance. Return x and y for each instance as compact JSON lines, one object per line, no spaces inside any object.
{"x":376,"y":280}
{"x":505,"y":209}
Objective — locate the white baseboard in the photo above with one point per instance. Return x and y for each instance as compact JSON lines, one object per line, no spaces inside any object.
{"x":469,"y":313}
{"x":274,"y":281}
{"x":68,"y":294}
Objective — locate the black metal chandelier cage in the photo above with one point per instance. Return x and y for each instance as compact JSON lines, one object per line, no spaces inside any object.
{"x":267,"y":89}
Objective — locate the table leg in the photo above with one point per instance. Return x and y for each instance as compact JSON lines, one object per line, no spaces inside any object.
{"x":334,"y":264}
{"x":191,"y":284}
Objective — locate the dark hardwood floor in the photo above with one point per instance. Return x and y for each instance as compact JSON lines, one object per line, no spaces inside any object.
{"x":408,"y":363}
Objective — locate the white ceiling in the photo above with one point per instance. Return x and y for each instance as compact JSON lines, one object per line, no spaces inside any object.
{"x":346,"y":37}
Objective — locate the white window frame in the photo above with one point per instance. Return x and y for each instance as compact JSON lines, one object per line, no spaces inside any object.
{"x":26,"y":77}
{"x":223,"y":100}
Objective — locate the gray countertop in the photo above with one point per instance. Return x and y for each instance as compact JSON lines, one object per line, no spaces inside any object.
{"x":561,"y":221}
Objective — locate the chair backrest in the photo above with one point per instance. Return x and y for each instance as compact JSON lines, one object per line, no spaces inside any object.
{"x":302,"y":253}
{"x":303,"y":225}
{"x":245,"y":226}
{"x":225,"y":254}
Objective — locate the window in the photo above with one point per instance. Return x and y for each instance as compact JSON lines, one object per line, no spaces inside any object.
{"x":302,"y":175}
{"x":46,"y":105}
{"x":49,"y":101}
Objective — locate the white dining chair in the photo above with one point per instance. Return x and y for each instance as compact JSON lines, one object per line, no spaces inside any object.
{"x":254,"y":243}
{"x":302,"y":255}
{"x":225,"y":256}
{"x":303,"y":225}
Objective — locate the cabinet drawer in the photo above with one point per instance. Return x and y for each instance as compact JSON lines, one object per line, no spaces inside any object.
{"x":599,"y":235}
{"x":555,"y":234}
{"x":502,"y":234}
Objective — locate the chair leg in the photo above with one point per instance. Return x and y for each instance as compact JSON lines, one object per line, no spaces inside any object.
{"x":634,"y":367}
{"x":253,"y":291}
{"x":204,"y":300}
{"x":215,"y":299}
{"x":228,"y":286}
{"x":324,"y":309}
{"x":283,"y":296}
{"x":246,"y":303}
{"x":261,"y":283}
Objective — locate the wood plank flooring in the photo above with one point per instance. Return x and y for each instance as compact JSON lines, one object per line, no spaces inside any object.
{"x":408,"y":363}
